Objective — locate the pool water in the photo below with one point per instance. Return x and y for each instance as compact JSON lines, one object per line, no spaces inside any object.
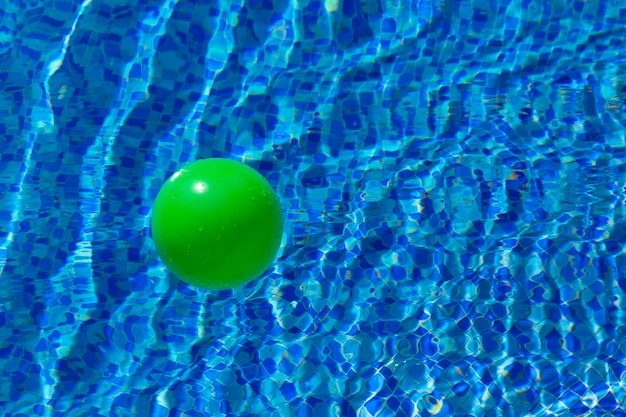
{"x":452,"y":176}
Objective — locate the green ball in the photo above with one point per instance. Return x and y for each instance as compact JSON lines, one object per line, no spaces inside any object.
{"x":217,"y":223}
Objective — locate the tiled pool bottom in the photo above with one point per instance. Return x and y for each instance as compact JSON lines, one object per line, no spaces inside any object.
{"x":320,"y":348}
{"x":452,"y":181}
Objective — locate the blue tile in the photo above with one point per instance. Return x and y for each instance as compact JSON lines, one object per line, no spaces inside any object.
{"x":368,"y":128}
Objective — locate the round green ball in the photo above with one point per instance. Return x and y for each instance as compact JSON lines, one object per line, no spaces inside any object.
{"x":217,"y":223}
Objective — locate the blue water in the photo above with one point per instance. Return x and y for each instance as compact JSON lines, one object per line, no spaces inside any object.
{"x":452,"y":178}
